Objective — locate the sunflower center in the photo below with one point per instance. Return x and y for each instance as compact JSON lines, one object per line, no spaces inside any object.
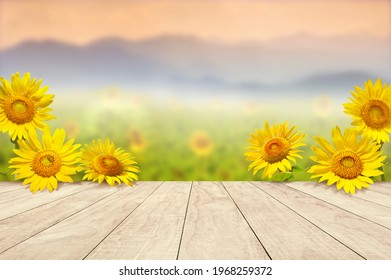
{"x":136,"y":138}
{"x":46,"y":163}
{"x":346,"y":164}
{"x":107,"y":165}
{"x":375,"y":113}
{"x":19,"y":109}
{"x":202,"y":142}
{"x":276,"y":149}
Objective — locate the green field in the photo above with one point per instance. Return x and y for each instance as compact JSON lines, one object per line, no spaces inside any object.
{"x":159,"y":131}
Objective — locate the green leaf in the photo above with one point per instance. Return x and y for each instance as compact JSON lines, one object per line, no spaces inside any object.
{"x":296,"y":168}
{"x":6,"y":176}
{"x":3,"y":176}
{"x":283,"y":176}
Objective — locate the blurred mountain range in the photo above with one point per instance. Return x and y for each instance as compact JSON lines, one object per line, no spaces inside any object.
{"x":299,"y":64}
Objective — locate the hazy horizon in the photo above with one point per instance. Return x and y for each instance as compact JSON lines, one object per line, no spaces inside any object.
{"x":226,"y":21}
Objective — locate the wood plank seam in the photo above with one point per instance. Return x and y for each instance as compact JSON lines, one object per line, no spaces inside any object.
{"x":9,"y":187}
{"x":13,"y":199}
{"x":374,"y":202}
{"x":339,"y":241}
{"x":341,"y":207}
{"x":81,"y":190}
{"x":381,"y":191}
{"x":373,"y":190}
{"x":82,"y":209}
{"x":18,"y":189}
{"x":244,"y":217}
{"x":215,"y":229}
{"x":365,"y":237}
{"x":371,"y":201}
{"x":184,"y":220}
{"x":122,"y":221}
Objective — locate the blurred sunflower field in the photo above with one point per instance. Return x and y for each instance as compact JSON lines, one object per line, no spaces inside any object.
{"x":174,"y":138}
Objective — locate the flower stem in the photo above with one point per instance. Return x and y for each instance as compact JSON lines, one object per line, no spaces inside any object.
{"x":383,"y":177}
{"x":15,"y":142}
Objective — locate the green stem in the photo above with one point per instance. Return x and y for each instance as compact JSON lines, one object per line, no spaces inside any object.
{"x":383,"y":177}
{"x":15,"y":142}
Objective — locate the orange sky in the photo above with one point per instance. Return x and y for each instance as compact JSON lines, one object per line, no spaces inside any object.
{"x":82,"y":21}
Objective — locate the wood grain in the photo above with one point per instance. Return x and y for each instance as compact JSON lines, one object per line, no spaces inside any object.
{"x":13,"y":195}
{"x":76,"y":236}
{"x":361,"y":207}
{"x":362,"y":236}
{"x":27,"y":224}
{"x":153,"y":230}
{"x":11,"y":186}
{"x":284,"y":233}
{"x":382,"y":187}
{"x":30,"y":200}
{"x":215,"y":229}
{"x":195,"y":220}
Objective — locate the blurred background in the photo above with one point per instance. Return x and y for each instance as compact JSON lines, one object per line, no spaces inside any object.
{"x":181,"y":84}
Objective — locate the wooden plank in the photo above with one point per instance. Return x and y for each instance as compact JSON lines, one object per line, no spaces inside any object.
{"x":13,"y":195}
{"x":215,"y":229}
{"x":364,"y":208}
{"x":31,"y":200}
{"x":284,"y":233}
{"x":374,"y":196}
{"x":368,"y":239}
{"x":17,"y":191}
{"x":22,"y":226}
{"x":75,"y":237}
{"x":153,"y":230}
{"x":379,"y":192}
{"x":6,"y":186}
{"x":382,"y":187}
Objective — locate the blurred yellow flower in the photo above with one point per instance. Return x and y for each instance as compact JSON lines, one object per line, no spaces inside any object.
{"x":273,"y":148}
{"x":23,"y":106}
{"x":102,"y":161}
{"x":201,"y":144}
{"x":137,"y":141}
{"x":349,"y":162}
{"x":251,"y":108}
{"x":371,"y":110}
{"x":72,"y":128}
{"x":323,"y":106}
{"x":42,"y":165}
{"x":111,"y":98}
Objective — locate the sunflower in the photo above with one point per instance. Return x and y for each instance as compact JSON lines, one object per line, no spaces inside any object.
{"x":102,"y":161}
{"x":274,"y":148}
{"x":349,"y":163}
{"x":201,"y":144}
{"x":371,"y":110}
{"x":43,"y":164}
{"x":137,"y":141}
{"x":72,"y":128}
{"x":23,"y":106}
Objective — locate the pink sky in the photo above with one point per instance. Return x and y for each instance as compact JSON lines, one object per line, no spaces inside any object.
{"x":82,"y":21}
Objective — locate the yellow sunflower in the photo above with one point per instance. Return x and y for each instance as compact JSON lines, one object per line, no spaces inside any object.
{"x":102,"y":161}
{"x":371,"y":110}
{"x":137,"y":141}
{"x":274,"y":148}
{"x":23,"y":106}
{"x":201,"y":144}
{"x":349,"y":163}
{"x":43,"y":164}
